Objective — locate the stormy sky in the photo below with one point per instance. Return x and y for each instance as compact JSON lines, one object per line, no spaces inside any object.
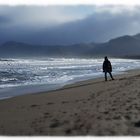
{"x":56,"y":25}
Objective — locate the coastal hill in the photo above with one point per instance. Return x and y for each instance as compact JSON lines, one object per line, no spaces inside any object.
{"x":124,"y":46}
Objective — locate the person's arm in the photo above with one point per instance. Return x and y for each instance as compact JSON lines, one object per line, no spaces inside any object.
{"x":110,"y":66}
{"x":103,"y":66}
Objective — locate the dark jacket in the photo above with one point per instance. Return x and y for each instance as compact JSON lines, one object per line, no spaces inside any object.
{"x":107,"y":66}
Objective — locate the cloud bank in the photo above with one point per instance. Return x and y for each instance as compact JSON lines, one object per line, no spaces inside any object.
{"x":56,"y":25}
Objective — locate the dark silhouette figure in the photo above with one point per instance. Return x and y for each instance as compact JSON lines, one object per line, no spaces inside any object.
{"x":107,"y":68}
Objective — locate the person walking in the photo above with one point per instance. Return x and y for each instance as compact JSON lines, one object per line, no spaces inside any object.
{"x":107,"y":68}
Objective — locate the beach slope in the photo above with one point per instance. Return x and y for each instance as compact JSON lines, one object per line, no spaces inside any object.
{"x":92,"y":107}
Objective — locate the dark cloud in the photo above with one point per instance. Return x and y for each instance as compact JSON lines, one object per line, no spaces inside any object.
{"x":4,"y":19}
{"x":99,"y":27}
{"x":102,"y":24}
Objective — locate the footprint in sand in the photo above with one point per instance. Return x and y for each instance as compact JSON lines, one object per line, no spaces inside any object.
{"x":50,"y":103}
{"x":122,"y":79}
{"x":137,"y":124}
{"x":84,"y":102}
{"x":106,"y":112}
{"x":46,"y":115}
{"x":116,"y":117}
{"x":64,"y":112}
{"x":128,"y":101}
{"x":92,"y":96}
{"x":99,"y":118}
{"x":113,"y":109}
{"x":127,"y":117}
{"x":34,"y":105}
{"x":77,"y":100}
{"x":64,"y":102}
{"x":75,"y":114}
{"x":55,"y":123}
{"x":68,"y":131}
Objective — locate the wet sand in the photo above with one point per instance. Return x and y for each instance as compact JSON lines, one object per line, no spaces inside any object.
{"x":92,"y":107}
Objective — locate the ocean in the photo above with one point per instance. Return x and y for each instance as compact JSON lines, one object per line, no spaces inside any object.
{"x":24,"y":76}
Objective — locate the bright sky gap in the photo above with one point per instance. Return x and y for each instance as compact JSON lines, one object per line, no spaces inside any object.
{"x":70,"y":2}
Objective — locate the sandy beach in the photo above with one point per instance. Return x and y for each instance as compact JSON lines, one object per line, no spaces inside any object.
{"x":92,"y":107}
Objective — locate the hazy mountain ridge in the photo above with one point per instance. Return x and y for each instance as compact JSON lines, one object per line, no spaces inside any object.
{"x":123,"y":46}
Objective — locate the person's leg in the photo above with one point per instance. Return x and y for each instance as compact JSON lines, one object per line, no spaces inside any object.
{"x":105,"y":76}
{"x":111,"y":76}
